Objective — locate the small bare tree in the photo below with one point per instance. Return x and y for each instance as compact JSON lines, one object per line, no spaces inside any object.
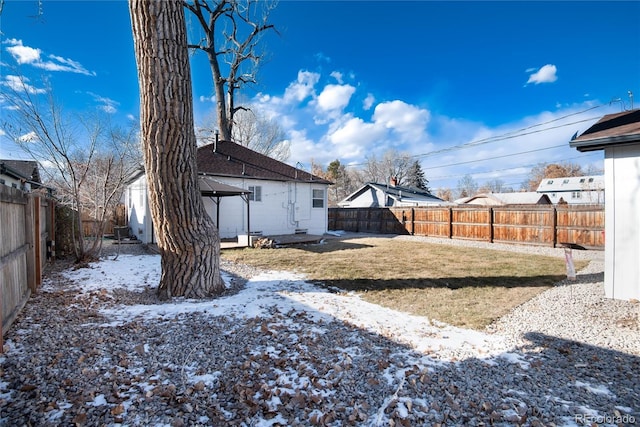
{"x":467,"y":186}
{"x":86,"y":159}
{"x":231,"y":35}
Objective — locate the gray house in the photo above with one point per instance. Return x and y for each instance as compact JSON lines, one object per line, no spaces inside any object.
{"x":618,"y":135}
{"x":372,"y":195}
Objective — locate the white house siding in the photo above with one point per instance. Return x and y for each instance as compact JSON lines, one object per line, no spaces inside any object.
{"x":285,"y":207}
{"x":367,"y":199}
{"x":574,"y":190}
{"x":622,"y":222}
{"x":135,"y":198}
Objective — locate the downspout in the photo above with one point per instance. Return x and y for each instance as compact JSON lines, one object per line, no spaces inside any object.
{"x":248,"y":222}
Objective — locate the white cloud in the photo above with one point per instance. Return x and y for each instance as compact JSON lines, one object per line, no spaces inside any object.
{"x":338,"y":76}
{"x":24,"y":54}
{"x":335,"y":97}
{"x":21,"y":84}
{"x":408,"y":120}
{"x":32,"y":56}
{"x":28,"y":137}
{"x":355,"y":138}
{"x":546,"y":74}
{"x":107,"y":105}
{"x":303,"y":149}
{"x":507,"y":152}
{"x":302,"y":88}
{"x":368,"y":102}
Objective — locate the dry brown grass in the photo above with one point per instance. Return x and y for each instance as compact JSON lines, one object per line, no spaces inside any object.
{"x":461,"y":286}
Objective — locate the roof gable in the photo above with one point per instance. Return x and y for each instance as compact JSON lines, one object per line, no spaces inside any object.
{"x":395,"y":192}
{"x":21,"y":169}
{"x":229,"y":159}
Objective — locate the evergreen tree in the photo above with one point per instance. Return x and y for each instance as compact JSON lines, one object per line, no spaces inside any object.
{"x":415,"y":177}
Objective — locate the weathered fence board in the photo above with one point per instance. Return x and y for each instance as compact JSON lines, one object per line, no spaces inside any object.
{"x":530,"y":225}
{"x":25,"y":224}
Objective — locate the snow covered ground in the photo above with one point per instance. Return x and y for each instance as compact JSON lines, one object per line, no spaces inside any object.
{"x":283,"y":351}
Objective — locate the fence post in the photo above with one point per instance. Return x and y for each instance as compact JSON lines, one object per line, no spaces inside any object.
{"x":554,"y":224}
{"x":37,"y":240}
{"x":413,"y":221}
{"x":450,"y":231}
{"x":490,"y":225}
{"x":30,"y":239}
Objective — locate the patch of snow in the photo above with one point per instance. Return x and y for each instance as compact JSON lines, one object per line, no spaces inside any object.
{"x":600,"y":389}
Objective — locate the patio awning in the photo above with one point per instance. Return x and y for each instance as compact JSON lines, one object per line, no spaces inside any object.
{"x":209,"y":187}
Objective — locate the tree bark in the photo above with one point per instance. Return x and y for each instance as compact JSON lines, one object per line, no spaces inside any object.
{"x":187,"y":238}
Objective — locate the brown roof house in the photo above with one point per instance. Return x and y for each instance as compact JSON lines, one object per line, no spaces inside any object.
{"x":245,"y":193}
{"x":618,"y":135}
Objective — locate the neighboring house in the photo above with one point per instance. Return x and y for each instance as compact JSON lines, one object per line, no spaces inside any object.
{"x":244,"y":193}
{"x":619,"y":136}
{"x":372,"y":195}
{"x":21,"y":174}
{"x":504,"y":199}
{"x":574,"y":190}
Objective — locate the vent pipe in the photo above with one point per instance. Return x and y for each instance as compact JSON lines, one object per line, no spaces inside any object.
{"x":215,"y":142}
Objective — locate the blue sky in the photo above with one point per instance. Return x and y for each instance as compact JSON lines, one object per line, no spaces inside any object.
{"x":488,"y":89}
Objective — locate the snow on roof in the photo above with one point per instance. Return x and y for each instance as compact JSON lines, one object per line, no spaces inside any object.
{"x":494,"y":199}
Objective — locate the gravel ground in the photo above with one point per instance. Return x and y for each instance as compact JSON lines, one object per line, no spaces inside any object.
{"x":573,"y":359}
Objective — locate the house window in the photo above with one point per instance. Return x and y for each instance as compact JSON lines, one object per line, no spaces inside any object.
{"x":256,"y":193}
{"x":318,"y":198}
{"x":576,"y":195}
{"x":550,"y":182}
{"x":581,"y":180}
{"x":566,"y":181}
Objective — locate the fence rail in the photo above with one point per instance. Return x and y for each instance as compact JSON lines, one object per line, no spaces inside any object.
{"x":26,"y":226}
{"x":545,"y":225}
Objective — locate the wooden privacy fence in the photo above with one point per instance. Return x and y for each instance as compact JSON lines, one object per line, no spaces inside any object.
{"x":544,"y":225}
{"x":26,"y":230}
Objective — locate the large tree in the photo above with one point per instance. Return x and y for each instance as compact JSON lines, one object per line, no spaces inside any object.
{"x":231,"y":34}
{"x":187,"y":238}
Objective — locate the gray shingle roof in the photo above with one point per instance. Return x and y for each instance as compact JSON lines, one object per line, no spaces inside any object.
{"x":233,"y":160}
{"x":612,"y":129}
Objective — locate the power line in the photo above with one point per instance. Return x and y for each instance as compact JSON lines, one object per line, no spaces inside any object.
{"x":495,"y":157}
{"x":505,"y":136}
{"x":496,"y":139}
{"x":431,"y":179}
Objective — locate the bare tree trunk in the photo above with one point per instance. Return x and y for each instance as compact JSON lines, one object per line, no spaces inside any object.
{"x":188,"y":240}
